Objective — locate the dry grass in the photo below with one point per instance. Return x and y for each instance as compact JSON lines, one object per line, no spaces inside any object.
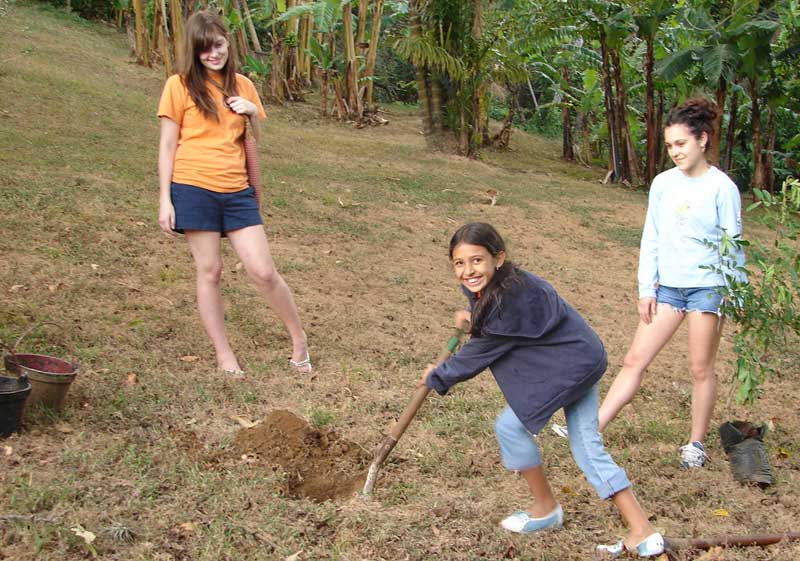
{"x":358,"y":221}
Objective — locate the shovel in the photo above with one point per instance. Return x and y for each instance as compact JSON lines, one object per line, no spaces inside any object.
{"x":411,"y":409}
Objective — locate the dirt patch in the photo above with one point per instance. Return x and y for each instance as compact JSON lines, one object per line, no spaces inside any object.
{"x":319,"y":463}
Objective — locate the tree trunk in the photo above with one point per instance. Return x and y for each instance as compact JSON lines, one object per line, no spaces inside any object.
{"x":351,"y":73}
{"x":238,"y":38}
{"x":372,"y":53}
{"x":608,"y":96}
{"x":479,"y":93}
{"x":662,"y":154}
{"x":422,"y":87}
{"x":755,"y":120}
{"x":768,"y":158}
{"x":361,"y":33}
{"x":502,"y":138}
{"x":292,"y":27}
{"x":463,"y":132}
{"x":628,"y":158}
{"x":567,"y":153}
{"x":166,"y":43}
{"x":341,"y":108}
{"x":323,"y":93}
{"x":156,"y":27}
{"x":436,"y":104}
{"x":712,"y":155}
{"x":276,"y":76}
{"x":730,"y":137}
{"x":142,"y":47}
{"x":250,"y":27}
{"x":651,"y":128}
{"x":176,"y":19}
{"x":304,"y":32}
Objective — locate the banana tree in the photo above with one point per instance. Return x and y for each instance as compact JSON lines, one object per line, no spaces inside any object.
{"x":321,"y":55}
{"x":721,"y":46}
{"x":648,"y":16}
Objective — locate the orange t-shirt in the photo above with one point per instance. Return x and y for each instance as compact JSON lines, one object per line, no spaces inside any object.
{"x":210,"y":153}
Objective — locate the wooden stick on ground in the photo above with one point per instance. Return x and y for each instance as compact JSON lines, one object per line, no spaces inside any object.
{"x":682,"y":544}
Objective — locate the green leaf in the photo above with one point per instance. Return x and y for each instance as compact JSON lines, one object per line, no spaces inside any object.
{"x":674,"y":65}
{"x":755,"y":27}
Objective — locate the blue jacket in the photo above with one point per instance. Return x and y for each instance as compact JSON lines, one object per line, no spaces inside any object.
{"x":541,"y":352}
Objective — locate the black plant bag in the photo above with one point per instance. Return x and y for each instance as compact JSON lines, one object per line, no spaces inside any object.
{"x":744,"y":444}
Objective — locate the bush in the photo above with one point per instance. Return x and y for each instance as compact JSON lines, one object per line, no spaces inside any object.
{"x":767,"y":307}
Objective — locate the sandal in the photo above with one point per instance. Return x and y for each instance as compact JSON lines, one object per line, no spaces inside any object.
{"x":302,"y":366}
{"x":651,"y":546}
{"x":233,"y":373}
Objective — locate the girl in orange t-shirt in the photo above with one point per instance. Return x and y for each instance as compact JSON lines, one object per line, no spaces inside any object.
{"x":204,"y":192}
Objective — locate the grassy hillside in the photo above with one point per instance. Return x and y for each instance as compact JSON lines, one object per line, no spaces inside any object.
{"x":144,"y":454}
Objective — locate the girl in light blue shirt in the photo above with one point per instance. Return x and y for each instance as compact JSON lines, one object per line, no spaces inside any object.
{"x":690,"y":204}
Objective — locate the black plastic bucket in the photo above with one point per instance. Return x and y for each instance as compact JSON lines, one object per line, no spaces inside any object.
{"x":13,"y":394}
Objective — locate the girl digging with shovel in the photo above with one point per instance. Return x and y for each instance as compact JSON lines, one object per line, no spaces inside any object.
{"x":204,"y":191}
{"x":544,"y":357}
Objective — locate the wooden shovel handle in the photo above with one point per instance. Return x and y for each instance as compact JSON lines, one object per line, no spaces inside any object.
{"x":422,"y":392}
{"x":387,"y":445}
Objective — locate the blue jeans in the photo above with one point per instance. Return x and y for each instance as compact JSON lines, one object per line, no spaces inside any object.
{"x":519,"y":451}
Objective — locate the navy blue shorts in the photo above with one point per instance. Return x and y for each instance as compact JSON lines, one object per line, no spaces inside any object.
{"x":200,"y":209}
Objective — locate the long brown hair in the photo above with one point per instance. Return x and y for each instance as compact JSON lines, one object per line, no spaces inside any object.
{"x":202,"y":29}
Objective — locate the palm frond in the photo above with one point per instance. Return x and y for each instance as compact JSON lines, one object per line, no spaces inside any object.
{"x":672,"y":66}
{"x":422,"y":51}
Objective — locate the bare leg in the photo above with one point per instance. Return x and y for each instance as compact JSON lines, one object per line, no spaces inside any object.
{"x":540,"y":488}
{"x":252,"y":248}
{"x":639,"y":526}
{"x":705,"y":330}
{"x":647,"y":343}
{"x":208,"y":263}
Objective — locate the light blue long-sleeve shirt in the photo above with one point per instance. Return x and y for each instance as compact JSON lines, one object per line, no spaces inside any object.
{"x":682,"y":212}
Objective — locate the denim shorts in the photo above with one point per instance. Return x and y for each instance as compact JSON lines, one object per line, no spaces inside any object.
{"x":700,"y":299}
{"x":200,"y":209}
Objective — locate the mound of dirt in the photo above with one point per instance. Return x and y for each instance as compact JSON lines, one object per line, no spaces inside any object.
{"x":319,"y":464}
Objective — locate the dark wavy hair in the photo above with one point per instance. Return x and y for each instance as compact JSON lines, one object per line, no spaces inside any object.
{"x":484,"y":235}
{"x":202,"y":29}
{"x":698,"y":115}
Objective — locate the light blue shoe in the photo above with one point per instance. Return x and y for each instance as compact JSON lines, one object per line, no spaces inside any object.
{"x":651,"y":546}
{"x":521,"y":522}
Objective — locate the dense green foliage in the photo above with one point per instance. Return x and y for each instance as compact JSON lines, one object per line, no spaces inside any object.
{"x":766,"y":307}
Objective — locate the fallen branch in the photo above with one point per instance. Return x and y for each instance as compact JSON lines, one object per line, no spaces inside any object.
{"x":680,"y":544}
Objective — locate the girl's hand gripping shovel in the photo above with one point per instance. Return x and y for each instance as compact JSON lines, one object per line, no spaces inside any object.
{"x":411,"y":409}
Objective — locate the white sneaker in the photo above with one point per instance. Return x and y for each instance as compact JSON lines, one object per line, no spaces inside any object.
{"x":693,"y":455}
